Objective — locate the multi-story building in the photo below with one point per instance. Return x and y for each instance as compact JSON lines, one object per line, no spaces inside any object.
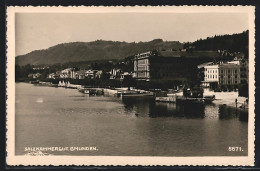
{"x":152,"y":65}
{"x":142,"y":65}
{"x":244,"y":71}
{"x":229,"y":74}
{"x":221,"y":74}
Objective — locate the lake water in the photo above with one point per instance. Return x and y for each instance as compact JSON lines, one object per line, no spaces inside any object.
{"x":59,"y":117}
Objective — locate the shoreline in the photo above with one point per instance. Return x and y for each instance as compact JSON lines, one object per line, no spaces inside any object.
{"x":241,"y":104}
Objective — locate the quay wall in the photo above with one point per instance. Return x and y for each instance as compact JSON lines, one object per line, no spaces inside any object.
{"x":222,"y":95}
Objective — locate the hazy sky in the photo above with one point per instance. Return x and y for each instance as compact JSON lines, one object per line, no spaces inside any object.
{"x":35,"y":31}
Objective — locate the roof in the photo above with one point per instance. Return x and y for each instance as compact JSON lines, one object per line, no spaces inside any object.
{"x":204,"y":64}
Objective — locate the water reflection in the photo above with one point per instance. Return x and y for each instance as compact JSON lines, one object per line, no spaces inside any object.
{"x":146,"y":107}
{"x":226,"y":112}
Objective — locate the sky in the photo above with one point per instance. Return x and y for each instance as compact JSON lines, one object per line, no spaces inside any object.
{"x":34,"y":31}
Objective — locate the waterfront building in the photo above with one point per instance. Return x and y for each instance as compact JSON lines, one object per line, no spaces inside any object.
{"x":244,"y":71}
{"x":80,"y":74}
{"x":159,"y":66}
{"x":222,"y":74}
{"x":52,"y":76}
{"x":125,"y":75}
{"x":98,"y":74}
{"x":93,"y":73}
{"x":37,"y":75}
{"x":114,"y":73}
{"x":66,"y":73}
{"x":229,"y":74}
{"x":90,"y":73}
{"x":142,"y":66}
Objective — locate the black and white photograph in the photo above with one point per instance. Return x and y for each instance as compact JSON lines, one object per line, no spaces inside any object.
{"x":130,"y":85}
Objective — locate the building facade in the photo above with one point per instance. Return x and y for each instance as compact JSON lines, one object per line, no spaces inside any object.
{"x":227,"y":74}
{"x":244,"y":72}
{"x":142,"y":65}
{"x":152,"y":66}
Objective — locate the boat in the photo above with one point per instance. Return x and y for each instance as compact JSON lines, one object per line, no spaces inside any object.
{"x":133,"y":93}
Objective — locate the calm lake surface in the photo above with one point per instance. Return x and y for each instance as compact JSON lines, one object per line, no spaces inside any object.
{"x":59,"y":117}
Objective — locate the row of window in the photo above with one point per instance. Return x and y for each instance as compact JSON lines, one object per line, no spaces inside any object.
{"x":228,"y":71}
{"x":142,"y":68}
{"x":212,"y":70}
{"x":228,"y":82}
{"x":212,"y":76}
{"x":144,"y":61}
{"x":228,"y":76}
{"x":221,"y":71}
{"x":216,"y":76}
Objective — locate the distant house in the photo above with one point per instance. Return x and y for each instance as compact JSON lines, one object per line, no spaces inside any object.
{"x":37,"y":75}
{"x":98,"y":74}
{"x":53,"y":76}
{"x":125,"y":75}
{"x":114,"y":73}
{"x":80,"y":74}
{"x":66,"y":73}
{"x":89,"y":73}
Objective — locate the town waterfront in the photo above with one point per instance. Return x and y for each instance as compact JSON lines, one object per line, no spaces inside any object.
{"x":59,"y":117}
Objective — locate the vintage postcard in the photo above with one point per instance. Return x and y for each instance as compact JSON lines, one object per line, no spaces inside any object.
{"x":121,"y":85}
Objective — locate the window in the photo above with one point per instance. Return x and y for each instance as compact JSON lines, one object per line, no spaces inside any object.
{"x":141,"y":68}
{"x":213,"y":76}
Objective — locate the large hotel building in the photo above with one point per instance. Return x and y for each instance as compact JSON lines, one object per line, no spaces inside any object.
{"x":151,"y":65}
{"x":221,"y":74}
{"x":142,"y":65}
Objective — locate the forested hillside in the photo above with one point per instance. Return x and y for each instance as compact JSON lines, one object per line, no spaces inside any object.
{"x":89,"y":51}
{"x":231,"y":43}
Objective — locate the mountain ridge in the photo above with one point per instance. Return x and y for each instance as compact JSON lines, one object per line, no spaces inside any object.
{"x":95,"y":50}
{"x":108,"y":50}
